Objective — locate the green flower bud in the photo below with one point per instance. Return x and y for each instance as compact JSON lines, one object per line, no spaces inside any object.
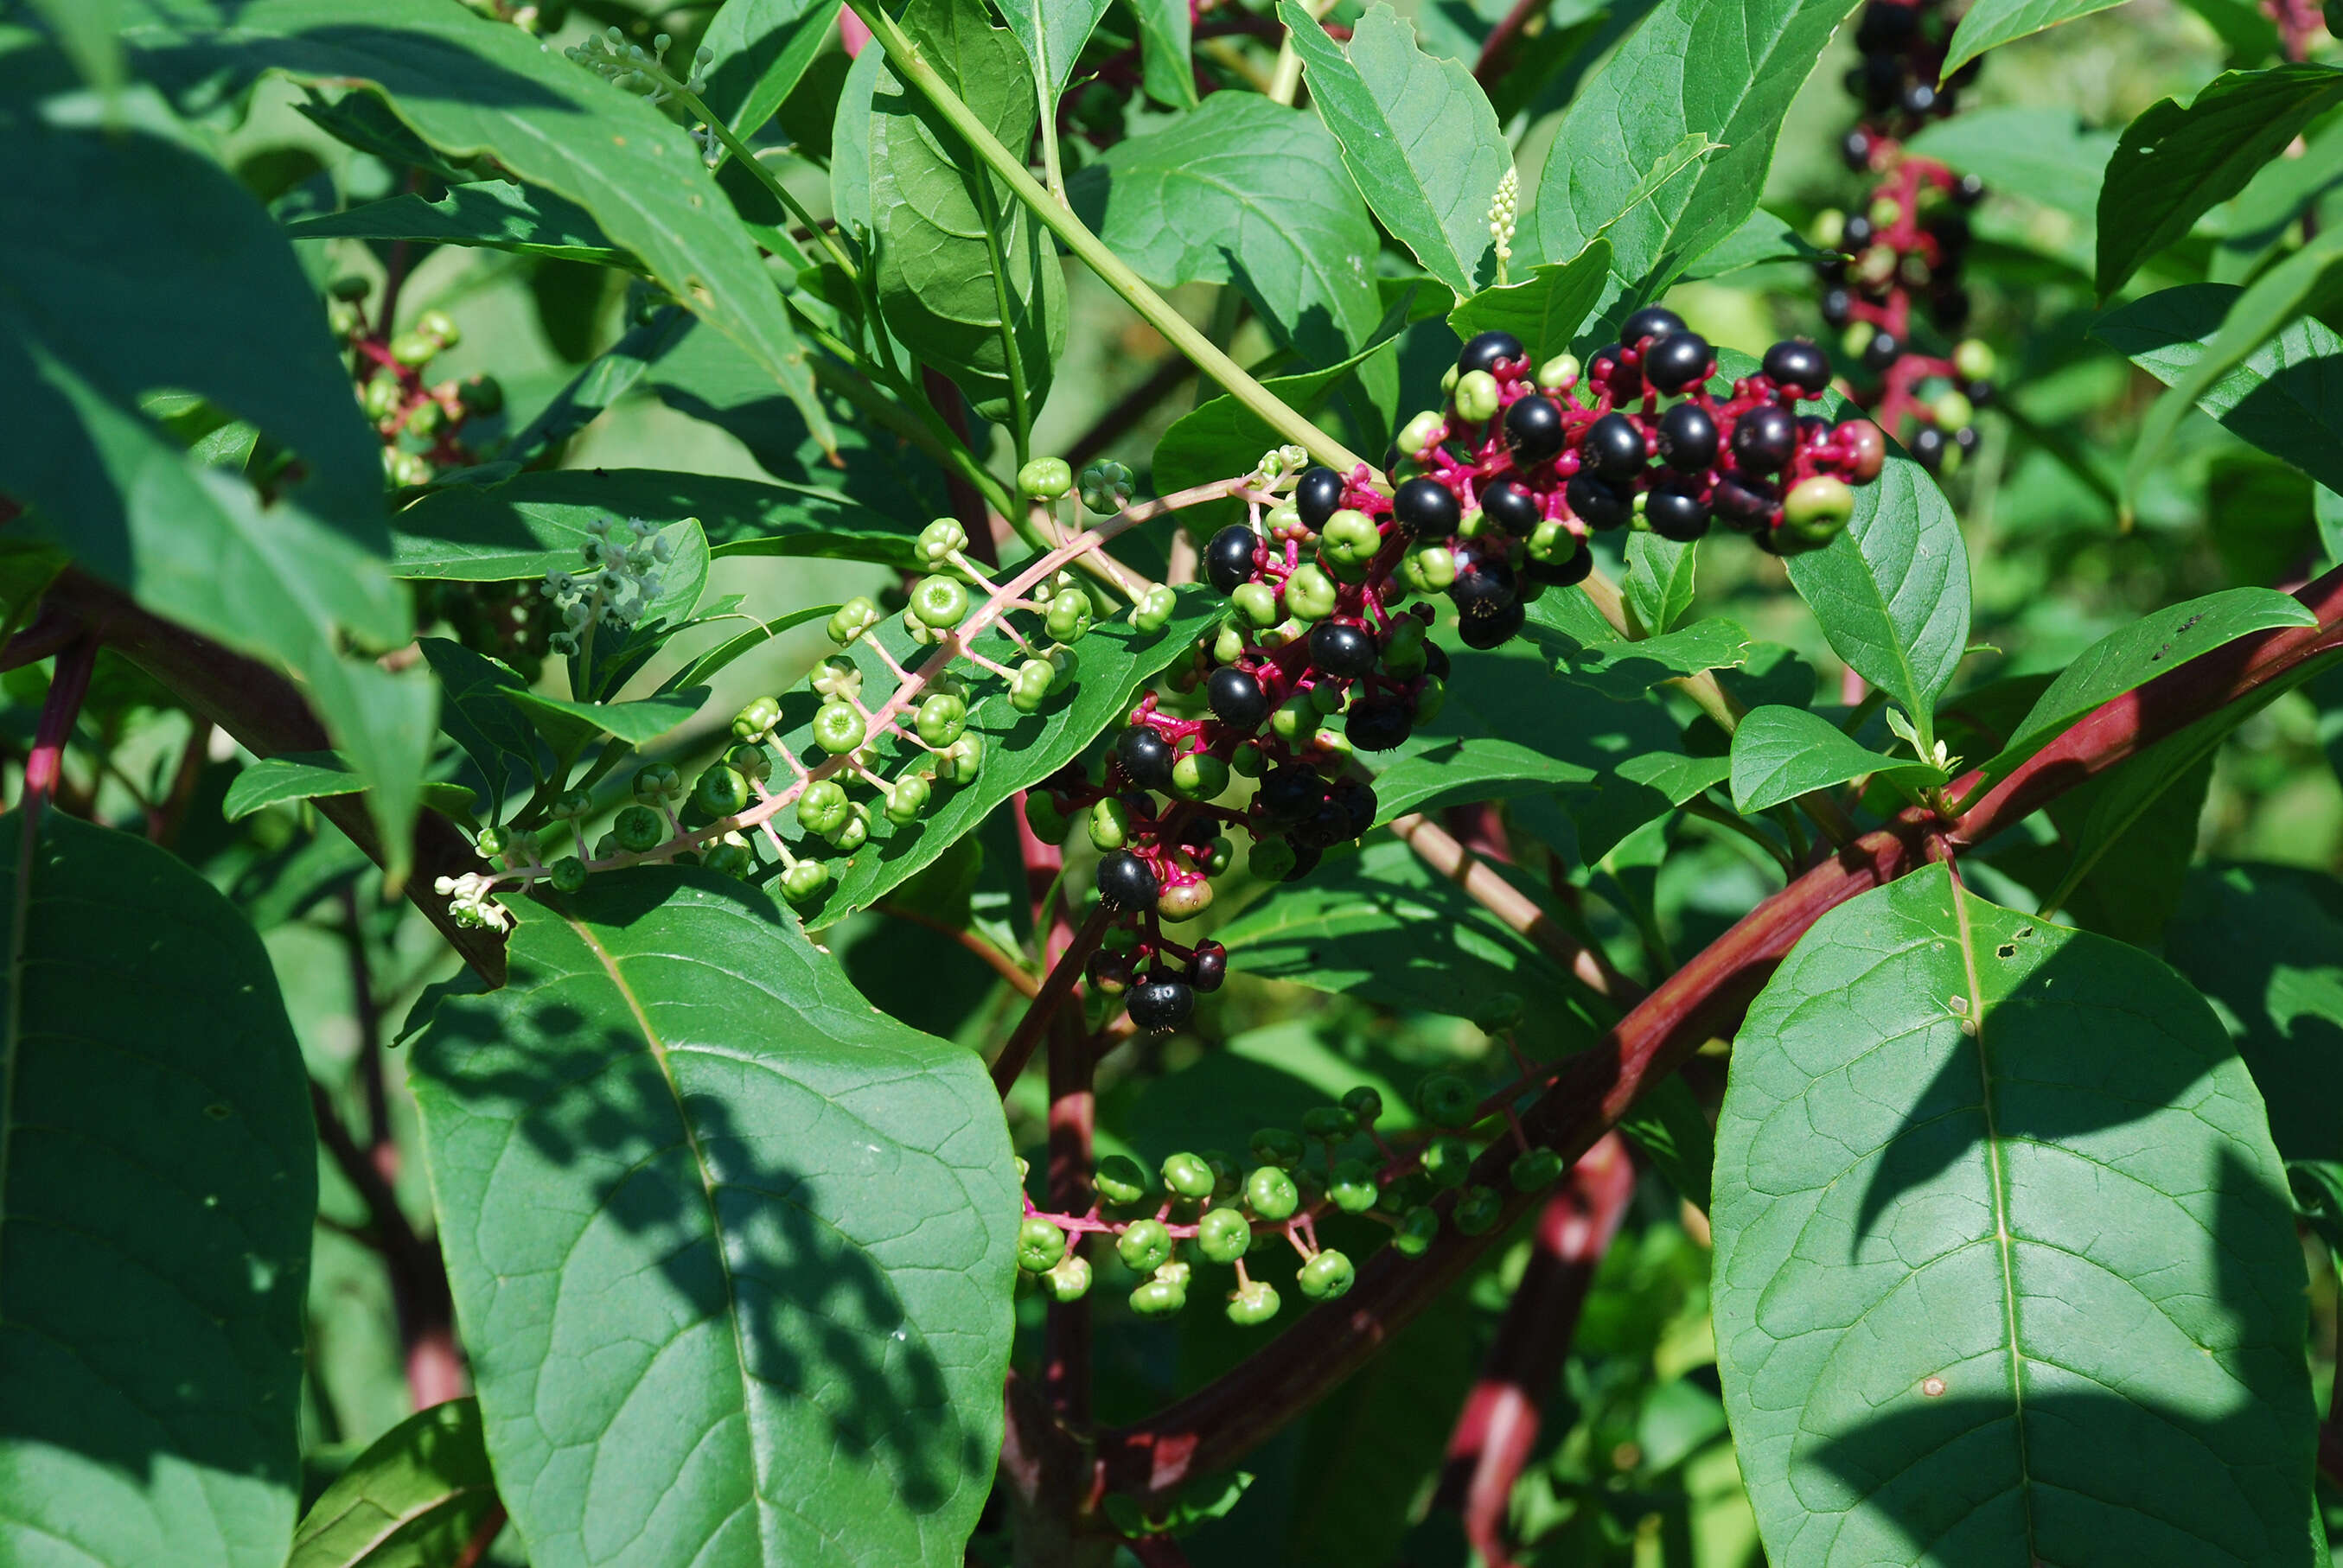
{"x":1106,"y":487}
{"x":1046,"y":478}
{"x":853,"y":618}
{"x":748,"y":760}
{"x":938,"y":542}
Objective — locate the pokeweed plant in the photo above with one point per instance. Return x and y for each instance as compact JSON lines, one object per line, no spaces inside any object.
{"x":1314,"y":829}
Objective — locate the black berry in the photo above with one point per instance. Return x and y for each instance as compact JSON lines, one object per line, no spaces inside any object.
{"x":1358,"y":805}
{"x":1513,"y":506}
{"x":1797,"y":363}
{"x":1306,"y":860}
{"x":1490,"y":630}
{"x":1688,"y":438}
{"x":1652,"y":321}
{"x":1289,"y":794}
{"x":1854,"y":148}
{"x":1435,"y":661}
{"x":1534,"y":430}
{"x":1676,"y":515}
{"x":1838,"y":306}
{"x":1125,"y":882}
{"x":1919,"y":98}
{"x":1237,"y":697}
{"x":1377,"y":724}
{"x":1677,"y":361}
{"x":1765,"y":439}
{"x":1561,"y":574}
{"x":1857,"y":234}
{"x":1487,"y":350}
{"x":1484,"y":587}
{"x":1342,"y":649}
{"x":1426,"y":508}
{"x":1738,"y":505}
{"x":1328,"y":825}
{"x":1928,"y":448}
{"x":1882,"y":350}
{"x":1146,"y":756}
{"x":1161,"y":1004}
{"x":1596,"y":504}
{"x":1318,"y":496}
{"x":1209,"y":967}
{"x":1613,"y":448}
{"x":1228,"y":559}
{"x":1969,"y":190}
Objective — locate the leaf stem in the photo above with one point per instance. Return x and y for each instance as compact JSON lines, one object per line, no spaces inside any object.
{"x":1152,"y":307}
{"x":764,"y":176}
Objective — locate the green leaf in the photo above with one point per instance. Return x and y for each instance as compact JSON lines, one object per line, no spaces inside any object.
{"x":1244,"y":191}
{"x":1782,"y":753}
{"x":1669,"y":1126}
{"x":467,"y":85}
{"x":490,"y":214}
{"x":2045,"y":156}
{"x":1990,"y":24}
{"x":2285,"y":396}
{"x":1658,"y":585}
{"x":534,"y":522}
{"x":1221,"y":439}
{"x":762,"y":48}
{"x":1166,"y":52}
{"x":948,"y":236}
{"x":705,"y":667}
{"x":637,"y":723}
{"x":718,"y":1233}
{"x":2004,"y":1259}
{"x":1724,"y":69}
{"x":1419,"y":137}
{"x":1546,"y":309}
{"x":1761,"y":239}
{"x":2302,"y":285}
{"x":2327,"y":509}
{"x":158,"y":1181}
{"x":85,"y":30}
{"x":479,"y":715}
{"x":2175,"y":165}
{"x":414,"y":1499}
{"x":607,"y":377}
{"x":1892,"y":592}
{"x":1624,"y":670}
{"x":309,"y":774}
{"x":2136,"y":654}
{"x":1019,"y":748}
{"x":1053,"y":33}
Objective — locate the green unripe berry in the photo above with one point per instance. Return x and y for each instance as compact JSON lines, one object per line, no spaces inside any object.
{"x":1973,"y":360}
{"x":960,"y":762}
{"x":1447,"y":1100}
{"x":1327,"y":1276}
{"x":1252,"y":1304}
{"x":1120,"y":1180}
{"x":1327,"y":697}
{"x":1310,"y":593}
{"x":1536,"y":1169}
{"x":1199,"y":775}
{"x":1069,"y":619}
{"x":908,"y":798}
{"x":839,"y":727}
{"x":1184,"y":900}
{"x":1271,"y":1193}
{"x":1276,"y":1146}
{"x":1109,"y":824}
{"x":1041,"y":815}
{"x":1429,"y":698}
{"x":823,"y":808}
{"x":1145,"y":1246}
{"x":639,"y":829}
{"x":1815,"y":510}
{"x":482,"y":395}
{"x":1552,"y":542}
{"x":940,"y":718}
{"x":1559,"y":374}
{"x":1158,"y":1298}
{"x":1829,"y":228}
{"x":1155,"y":607}
{"x":1269,"y":860}
{"x":805,"y":880}
{"x":1247,"y":760}
{"x":720,"y":792}
{"x":1223,"y":1235}
{"x":1446,"y":1160}
{"x":659,"y":781}
{"x":1476,"y":397}
{"x":1295,"y":718}
{"x":407,"y":468}
{"x":728,"y":857}
{"x":1365,"y":1104}
{"x":1418,"y":1229}
{"x":750,"y":760}
{"x":1330,"y":1122}
{"x":568,"y":874}
{"x":349,"y":287}
{"x":1030,"y":687}
{"x":1188,"y":1175}
{"x":1350,"y":538}
{"x":424,"y":418}
{"x":413,"y":350}
{"x":437,"y":326}
{"x":1039,"y":1244}
{"x":852,"y":619}
{"x":1353,"y":1186}
{"x":1953,"y":411}
{"x":940,"y":601}
{"x":491,"y":841}
{"x":1428,"y":570}
{"x":1478,"y":1209}
{"x":1422,"y":433}
{"x":1404,"y":645}
{"x":1069,"y":1280}
{"x":1046,"y":478}
{"x":380,"y":397}
{"x":1884,"y":211}
{"x":1256,"y":602}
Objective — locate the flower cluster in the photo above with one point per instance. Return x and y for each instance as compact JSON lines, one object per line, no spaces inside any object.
{"x":422,"y":425}
{"x":1206,"y":1207}
{"x":620,"y":579}
{"x":1492,"y":507}
{"x":1902,"y":253}
{"x":631,"y":68}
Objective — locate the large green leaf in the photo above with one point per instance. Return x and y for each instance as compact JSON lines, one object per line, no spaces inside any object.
{"x":1725,"y":69}
{"x":2175,"y":165}
{"x":1989,"y":23}
{"x":1546,"y":309}
{"x":490,"y":213}
{"x":532,"y":522}
{"x":158,"y":1180}
{"x":312,"y":775}
{"x":1781,"y":753}
{"x":1019,"y":748}
{"x":1166,"y":45}
{"x":2045,"y":154}
{"x":1221,"y":439}
{"x":731,"y":1250}
{"x":1247,"y":191}
{"x":2266,"y":944}
{"x":2286,"y":397}
{"x":2006,"y":1268}
{"x":1418,"y":134}
{"x":468,"y":86}
{"x":1624,"y":669}
{"x":955,"y":254}
{"x":412,"y":1500}
{"x":1053,"y":33}
{"x":760,"y":49}
{"x":1892,"y":592}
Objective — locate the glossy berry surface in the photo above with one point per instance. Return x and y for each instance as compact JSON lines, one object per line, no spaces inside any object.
{"x":1125,"y":882}
{"x":1535,"y":430}
{"x":1426,"y":507}
{"x":1316,"y":498}
{"x":1228,"y":558}
{"x":1236,"y":698}
{"x":1688,"y":439}
{"x":1797,"y":363}
{"x":1677,"y":360}
{"x":1161,"y":1004}
{"x":1340,"y":648}
{"x":1613,"y":450}
{"x":1487,"y":350}
{"x":1513,"y":507}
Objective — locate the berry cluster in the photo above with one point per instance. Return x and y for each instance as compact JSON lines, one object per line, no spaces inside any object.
{"x":1208,"y":1209}
{"x":421,"y":426}
{"x":1492,"y":507}
{"x":1902,"y":253}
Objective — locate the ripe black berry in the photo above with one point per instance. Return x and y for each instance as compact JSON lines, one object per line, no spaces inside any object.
{"x":1146,"y":756}
{"x":1980,"y":394}
{"x":1965,"y":437}
{"x":1358,"y":805}
{"x":1928,"y":448}
{"x":1125,"y":882}
{"x":1919,"y":98}
{"x":1738,"y":505}
{"x":1487,"y":350}
{"x":1228,"y":559}
{"x":1484,"y":587}
{"x":1883,"y":79}
{"x":1797,"y":363}
{"x":1209,"y":967}
{"x":1596,"y":504}
{"x":1886,"y":27}
{"x":1969,"y":190}
{"x":1513,"y":507}
{"x":1561,"y":574}
{"x":1377,"y":724}
{"x":1318,"y":496}
{"x":1838,"y":306}
{"x":1306,"y":860}
{"x":1854,"y":148}
{"x":1236,"y":698}
{"x":1425,"y":508}
{"x":1676,"y":515}
{"x":1605,"y":368}
{"x":1765,"y":439}
{"x":1161,"y":1004}
{"x":1289,"y":794}
{"x":1857,"y":234}
{"x":1492,"y":630}
{"x":1652,"y":321}
{"x":1533,"y":430}
{"x":1950,"y":310}
{"x":1329,"y":824}
{"x":1677,"y":360}
{"x":1882,"y":350}
{"x":1342,"y":649}
{"x":1613,"y":448}
{"x":1688,"y":438}
{"x":1435,"y":661}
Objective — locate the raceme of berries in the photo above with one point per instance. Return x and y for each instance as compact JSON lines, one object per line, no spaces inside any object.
{"x":1202,"y":1210}
{"x":1900,"y":259}
{"x":423,"y":427}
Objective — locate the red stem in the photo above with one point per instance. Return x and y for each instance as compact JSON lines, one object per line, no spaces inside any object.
{"x":1055,"y":989}
{"x":492,"y":1523}
{"x":68,"y":685}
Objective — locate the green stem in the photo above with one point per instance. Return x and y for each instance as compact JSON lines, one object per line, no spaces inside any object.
{"x":1152,"y":307}
{"x":1051,"y":168}
{"x":764,"y":176}
{"x":1020,"y":417}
